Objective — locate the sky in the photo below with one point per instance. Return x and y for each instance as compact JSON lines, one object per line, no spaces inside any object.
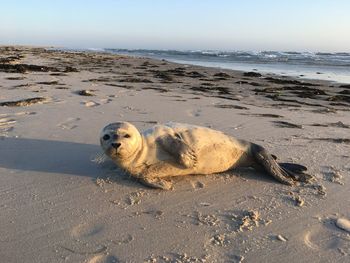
{"x":281,"y":25}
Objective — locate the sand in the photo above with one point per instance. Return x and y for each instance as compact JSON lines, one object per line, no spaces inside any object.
{"x":58,"y":203}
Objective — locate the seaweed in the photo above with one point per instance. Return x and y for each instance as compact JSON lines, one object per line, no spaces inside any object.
{"x":339,"y":98}
{"x":55,"y":82}
{"x":222,"y":75}
{"x":85,"y":92}
{"x":23,"y":68}
{"x":135,"y":80}
{"x":252,"y":74}
{"x":285,"y":124}
{"x":194,"y":74}
{"x":23,"y":102}
{"x":163,"y":75}
{"x":231,"y":106}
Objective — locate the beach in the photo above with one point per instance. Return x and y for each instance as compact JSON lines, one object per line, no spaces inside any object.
{"x":60,"y":203}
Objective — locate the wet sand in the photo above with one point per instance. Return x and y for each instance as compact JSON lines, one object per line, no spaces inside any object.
{"x":58,"y":204}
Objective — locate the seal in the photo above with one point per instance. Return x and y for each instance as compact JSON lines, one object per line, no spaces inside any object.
{"x":176,"y":149}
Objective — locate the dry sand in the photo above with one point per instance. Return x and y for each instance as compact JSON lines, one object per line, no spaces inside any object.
{"x":58,"y":204}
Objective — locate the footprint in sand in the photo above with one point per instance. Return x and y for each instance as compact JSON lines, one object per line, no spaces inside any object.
{"x":194,"y":113}
{"x":94,"y":103}
{"x":84,"y":238}
{"x":69,"y":124}
{"x":86,"y":233}
{"x":197,"y":185}
{"x":105,"y":101}
{"x":86,"y":230}
{"x":91,"y":103}
{"x":327,"y":237}
{"x":6,"y":125}
{"x":7,"y":122}
{"x":103,"y":259}
{"x":21,"y":113}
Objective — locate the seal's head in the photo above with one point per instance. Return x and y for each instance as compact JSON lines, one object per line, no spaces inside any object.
{"x":120,"y":141}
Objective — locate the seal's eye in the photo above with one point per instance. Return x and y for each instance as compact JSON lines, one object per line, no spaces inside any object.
{"x":127,"y":136}
{"x":106,"y":137}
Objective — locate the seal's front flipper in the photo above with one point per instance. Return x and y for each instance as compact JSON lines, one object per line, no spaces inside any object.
{"x":157,"y":183}
{"x":178,"y":148}
{"x":293,"y":167}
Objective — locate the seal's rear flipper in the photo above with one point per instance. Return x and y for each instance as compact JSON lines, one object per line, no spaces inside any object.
{"x":296,"y":171}
{"x":296,"y":168}
{"x":285,"y":173}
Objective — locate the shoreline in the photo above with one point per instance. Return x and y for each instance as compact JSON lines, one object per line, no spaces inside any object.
{"x":333,"y":73}
{"x":53,"y":189}
{"x":265,"y":69}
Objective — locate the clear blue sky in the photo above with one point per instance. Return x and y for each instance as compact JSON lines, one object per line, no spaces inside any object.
{"x":301,"y":25}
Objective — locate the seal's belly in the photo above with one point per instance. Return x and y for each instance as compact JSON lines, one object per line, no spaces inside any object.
{"x":218,"y":158}
{"x":215,"y":151}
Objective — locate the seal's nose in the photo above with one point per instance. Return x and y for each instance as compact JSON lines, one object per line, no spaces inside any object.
{"x":116,"y":145}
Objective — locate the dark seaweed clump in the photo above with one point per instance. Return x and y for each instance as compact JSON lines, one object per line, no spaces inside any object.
{"x":23,"y":68}
{"x":285,"y":124}
{"x":85,"y":92}
{"x":163,"y":75}
{"x":252,"y":74}
{"x":346,"y":86}
{"x":339,"y":98}
{"x":194,"y":74}
{"x":24,"y":102}
{"x":230,"y":106}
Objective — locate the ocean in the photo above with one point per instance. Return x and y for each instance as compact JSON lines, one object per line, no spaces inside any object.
{"x":308,"y":65}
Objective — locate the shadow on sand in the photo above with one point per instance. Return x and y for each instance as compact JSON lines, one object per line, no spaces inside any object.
{"x":69,"y":158}
{"x":58,"y":157}
{"x":49,"y":156}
